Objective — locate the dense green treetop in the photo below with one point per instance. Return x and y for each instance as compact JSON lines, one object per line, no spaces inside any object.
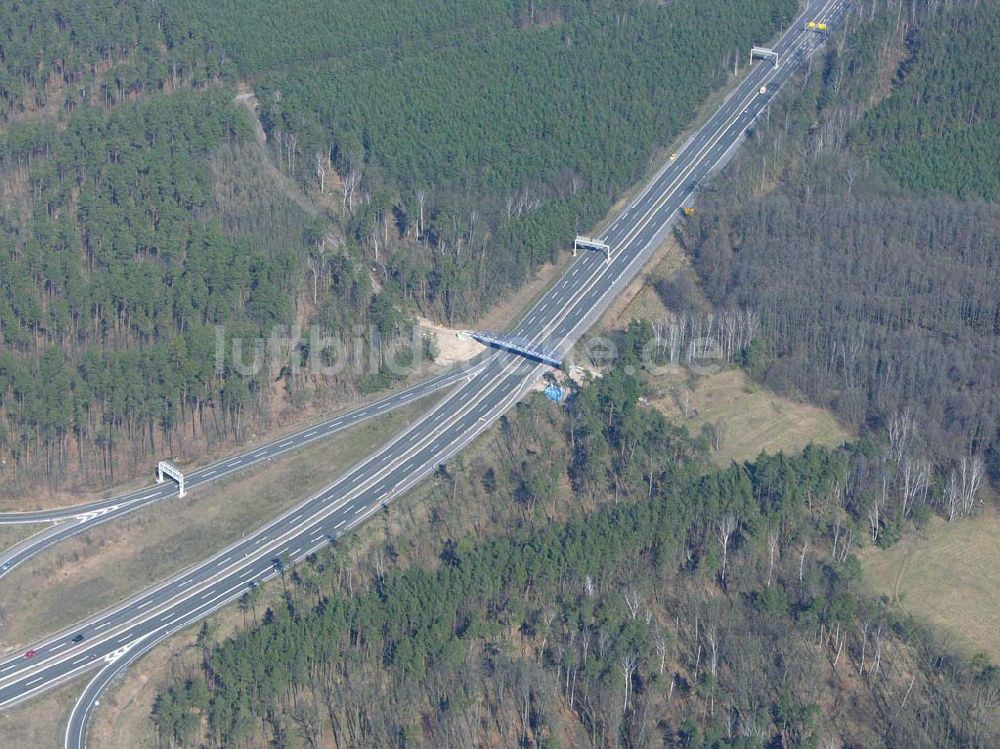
{"x":473,"y":140}
{"x":939,"y":129}
{"x":57,"y":56}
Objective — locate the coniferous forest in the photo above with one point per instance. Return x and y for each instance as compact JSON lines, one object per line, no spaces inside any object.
{"x":698,"y":609}
{"x":585,"y":575}
{"x":884,"y":224}
{"x":416,"y":157}
{"x":669,"y":604}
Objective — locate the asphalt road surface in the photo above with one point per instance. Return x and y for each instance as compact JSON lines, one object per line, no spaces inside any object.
{"x":70,"y":521}
{"x":114,"y":638}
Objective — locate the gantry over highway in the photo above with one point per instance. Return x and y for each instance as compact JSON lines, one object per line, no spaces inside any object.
{"x":67,"y":522}
{"x":114,"y":638}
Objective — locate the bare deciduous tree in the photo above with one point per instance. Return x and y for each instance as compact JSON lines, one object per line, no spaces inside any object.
{"x":351,"y":182}
{"x":725,"y":526}
{"x":874,"y":519}
{"x":290,"y":141}
{"x":951,"y":495}
{"x":713,"y":650}
{"x":633,"y":600}
{"x":719,"y":432}
{"x":900,"y":428}
{"x":971,"y":473}
{"x":916,"y":476}
{"x":843,"y":537}
{"x":772,"y":549}
{"x":662,"y":644}
{"x":627,"y":664}
{"x":316,"y":262}
{"x":321,"y":171}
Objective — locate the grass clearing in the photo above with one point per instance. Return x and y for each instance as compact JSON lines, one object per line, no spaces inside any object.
{"x":945,"y":575}
{"x":752,"y":418}
{"x":76,"y":579}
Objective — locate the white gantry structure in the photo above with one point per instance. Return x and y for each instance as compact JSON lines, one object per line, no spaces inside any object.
{"x":589,"y":243}
{"x":764,"y":53}
{"x":163,"y":468}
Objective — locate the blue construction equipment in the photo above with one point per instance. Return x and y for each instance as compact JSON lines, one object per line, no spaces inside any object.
{"x":555,"y":393}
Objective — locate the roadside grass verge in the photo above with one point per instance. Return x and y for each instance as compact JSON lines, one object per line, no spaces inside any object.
{"x":75,"y":579}
{"x":12,"y":534}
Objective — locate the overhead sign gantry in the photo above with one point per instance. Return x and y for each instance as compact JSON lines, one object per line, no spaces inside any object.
{"x":764,"y":53}
{"x":169,"y":469}
{"x":589,"y":243}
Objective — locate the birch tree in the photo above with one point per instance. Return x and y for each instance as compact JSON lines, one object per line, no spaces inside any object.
{"x":626,"y":664}
{"x":772,"y":551}
{"x":971,"y":476}
{"x":724,"y":527}
{"x":321,"y":171}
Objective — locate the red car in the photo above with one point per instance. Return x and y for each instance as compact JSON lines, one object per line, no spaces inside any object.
{"x":31,"y":654}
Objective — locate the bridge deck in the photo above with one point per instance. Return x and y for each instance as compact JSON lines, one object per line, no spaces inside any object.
{"x":518,"y":345}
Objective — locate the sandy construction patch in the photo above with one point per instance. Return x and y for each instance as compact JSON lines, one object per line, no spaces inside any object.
{"x":454,"y":346}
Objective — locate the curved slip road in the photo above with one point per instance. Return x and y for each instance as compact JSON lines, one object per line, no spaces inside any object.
{"x":71,"y":521}
{"x":118,"y":636}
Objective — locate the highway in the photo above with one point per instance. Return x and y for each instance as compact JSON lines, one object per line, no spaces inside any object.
{"x":70,"y":521}
{"x":114,"y":638}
